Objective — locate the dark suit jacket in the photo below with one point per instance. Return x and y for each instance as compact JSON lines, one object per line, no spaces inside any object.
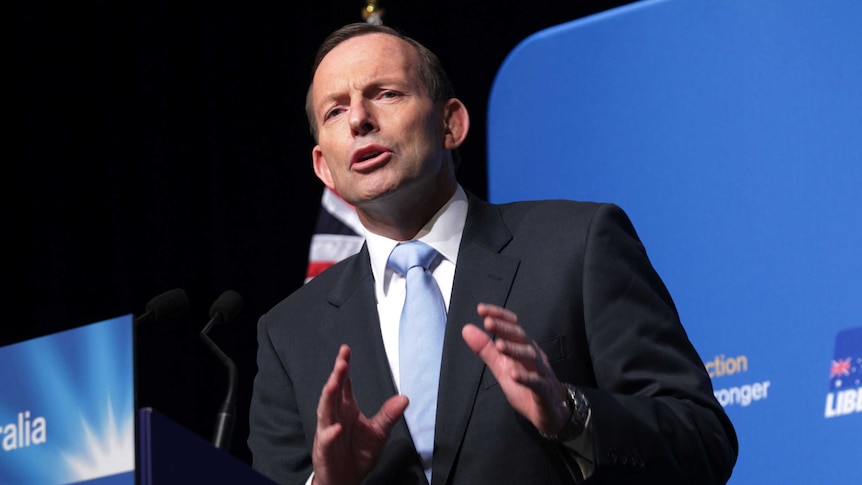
{"x":581,"y":283}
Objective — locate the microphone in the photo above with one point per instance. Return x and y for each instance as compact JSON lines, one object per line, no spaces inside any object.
{"x":168,"y":304}
{"x":224,"y":309}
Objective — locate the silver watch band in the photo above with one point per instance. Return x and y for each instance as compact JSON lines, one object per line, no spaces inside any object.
{"x":580,"y":406}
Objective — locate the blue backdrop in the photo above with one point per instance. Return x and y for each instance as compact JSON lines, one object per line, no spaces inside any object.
{"x":731,"y":132}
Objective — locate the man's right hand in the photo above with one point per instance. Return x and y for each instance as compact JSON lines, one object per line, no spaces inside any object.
{"x":347,"y":444}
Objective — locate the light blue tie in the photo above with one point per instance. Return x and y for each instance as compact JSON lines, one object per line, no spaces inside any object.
{"x":420,"y":343}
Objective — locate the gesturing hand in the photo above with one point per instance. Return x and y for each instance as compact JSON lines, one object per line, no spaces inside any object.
{"x":520,"y":367}
{"x":347,"y":444}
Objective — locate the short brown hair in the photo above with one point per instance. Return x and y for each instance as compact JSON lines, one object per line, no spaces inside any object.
{"x":430,"y":69}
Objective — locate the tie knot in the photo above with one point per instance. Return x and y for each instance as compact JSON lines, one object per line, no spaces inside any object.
{"x":411,"y":254}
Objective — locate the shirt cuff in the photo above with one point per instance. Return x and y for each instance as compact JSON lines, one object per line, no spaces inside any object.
{"x":582,"y":449}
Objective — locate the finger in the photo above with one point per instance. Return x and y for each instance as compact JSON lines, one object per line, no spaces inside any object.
{"x":346,"y":382}
{"x":326,"y":437}
{"x":525,"y":353}
{"x":494,"y":311}
{"x":502,"y":322}
{"x":332,"y":390}
{"x":506,"y":330}
{"x":531,"y":379}
{"x":532,"y":369}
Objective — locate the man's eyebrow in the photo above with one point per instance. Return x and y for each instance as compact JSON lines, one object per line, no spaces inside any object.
{"x":378,"y":84}
{"x":375,"y":85}
{"x":326,"y":100}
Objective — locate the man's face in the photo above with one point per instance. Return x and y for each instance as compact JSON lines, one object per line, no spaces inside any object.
{"x":380,"y":134}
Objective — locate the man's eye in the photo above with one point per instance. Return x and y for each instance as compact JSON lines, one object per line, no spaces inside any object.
{"x":389,"y":94}
{"x":333,"y":112}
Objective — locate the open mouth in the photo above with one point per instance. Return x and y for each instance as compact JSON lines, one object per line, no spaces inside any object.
{"x":369,"y":156}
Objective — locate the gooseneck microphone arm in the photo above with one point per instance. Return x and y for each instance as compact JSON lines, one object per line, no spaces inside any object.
{"x":224,"y":309}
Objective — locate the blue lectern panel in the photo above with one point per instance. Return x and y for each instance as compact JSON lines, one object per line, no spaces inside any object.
{"x":67,"y":407}
{"x":731,"y":132}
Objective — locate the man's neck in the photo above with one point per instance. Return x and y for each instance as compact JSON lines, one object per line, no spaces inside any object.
{"x":402,"y":220}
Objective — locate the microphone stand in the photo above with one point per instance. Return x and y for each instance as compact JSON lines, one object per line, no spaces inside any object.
{"x":225,"y":419}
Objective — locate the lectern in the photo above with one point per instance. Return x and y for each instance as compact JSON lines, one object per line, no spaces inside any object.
{"x":67,"y":415}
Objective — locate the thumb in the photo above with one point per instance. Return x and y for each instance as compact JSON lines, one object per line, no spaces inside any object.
{"x":478,"y":341}
{"x":391,"y":411}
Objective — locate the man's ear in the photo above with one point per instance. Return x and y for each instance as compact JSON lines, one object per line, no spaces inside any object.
{"x":456,"y":123}
{"x":321,"y":168}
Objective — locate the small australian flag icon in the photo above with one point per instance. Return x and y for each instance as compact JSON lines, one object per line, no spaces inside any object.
{"x":845,"y":372}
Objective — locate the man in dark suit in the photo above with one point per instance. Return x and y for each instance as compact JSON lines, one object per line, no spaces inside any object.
{"x":578,"y":370}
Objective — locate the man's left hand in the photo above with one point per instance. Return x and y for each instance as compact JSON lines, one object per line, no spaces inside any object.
{"x":520,"y":366}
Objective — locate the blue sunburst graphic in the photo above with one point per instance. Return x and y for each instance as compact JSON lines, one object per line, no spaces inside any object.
{"x":67,"y":410}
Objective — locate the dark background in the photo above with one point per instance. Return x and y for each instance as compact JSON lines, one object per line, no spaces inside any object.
{"x":163,"y":144}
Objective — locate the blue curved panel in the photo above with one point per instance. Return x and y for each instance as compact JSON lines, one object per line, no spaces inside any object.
{"x":731,"y":132}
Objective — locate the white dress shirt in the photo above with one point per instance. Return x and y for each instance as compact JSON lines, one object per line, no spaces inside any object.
{"x":443,"y":233}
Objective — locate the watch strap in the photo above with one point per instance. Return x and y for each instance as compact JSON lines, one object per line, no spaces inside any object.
{"x":580,"y":407}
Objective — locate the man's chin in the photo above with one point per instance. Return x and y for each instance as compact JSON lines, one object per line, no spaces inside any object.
{"x":375,"y":198}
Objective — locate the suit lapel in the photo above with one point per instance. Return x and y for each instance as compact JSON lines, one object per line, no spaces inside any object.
{"x":482,"y":275}
{"x":356,"y":322}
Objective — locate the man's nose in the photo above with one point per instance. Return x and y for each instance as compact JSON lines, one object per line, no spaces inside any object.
{"x":361,"y":119}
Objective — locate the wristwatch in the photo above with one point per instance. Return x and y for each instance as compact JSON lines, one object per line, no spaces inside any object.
{"x":580,"y":406}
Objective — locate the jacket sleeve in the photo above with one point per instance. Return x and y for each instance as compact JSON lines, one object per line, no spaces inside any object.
{"x":277,"y":439}
{"x":654,"y":416}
